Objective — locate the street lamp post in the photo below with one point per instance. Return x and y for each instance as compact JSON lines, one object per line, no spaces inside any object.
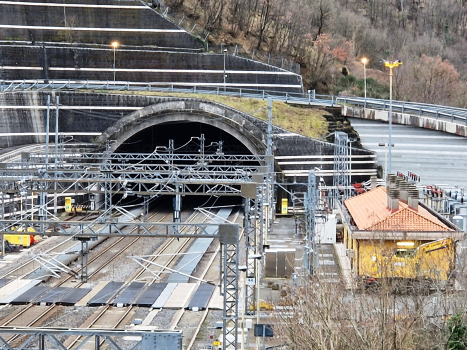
{"x":390,"y":65}
{"x":225,"y":76}
{"x":114,"y":44}
{"x":364,"y":61}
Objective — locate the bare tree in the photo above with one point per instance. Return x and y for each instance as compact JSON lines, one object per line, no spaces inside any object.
{"x":323,"y":315}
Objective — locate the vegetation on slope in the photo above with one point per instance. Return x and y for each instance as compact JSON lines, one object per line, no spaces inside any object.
{"x":304,"y":121}
{"x":324,"y":36}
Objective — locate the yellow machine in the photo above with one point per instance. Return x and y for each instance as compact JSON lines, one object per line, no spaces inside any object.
{"x":25,"y":239}
{"x":263,"y":305}
{"x":432,"y":260}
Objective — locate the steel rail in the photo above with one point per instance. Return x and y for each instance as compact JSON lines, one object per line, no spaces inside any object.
{"x":203,"y":274}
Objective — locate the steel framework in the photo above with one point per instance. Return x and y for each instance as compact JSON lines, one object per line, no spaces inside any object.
{"x":341,"y":167}
{"x":311,"y":203}
{"x":145,"y":175}
{"x":51,"y":338}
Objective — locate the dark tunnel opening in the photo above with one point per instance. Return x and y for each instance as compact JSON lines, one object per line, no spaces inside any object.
{"x":186,"y":137}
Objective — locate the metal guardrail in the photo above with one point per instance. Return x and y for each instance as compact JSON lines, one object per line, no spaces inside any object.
{"x":214,"y":89}
{"x":452,"y":114}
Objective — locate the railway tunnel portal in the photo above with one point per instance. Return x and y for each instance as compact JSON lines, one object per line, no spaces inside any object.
{"x":153,"y":126}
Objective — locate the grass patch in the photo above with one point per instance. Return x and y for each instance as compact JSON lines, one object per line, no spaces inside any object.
{"x":301,"y":120}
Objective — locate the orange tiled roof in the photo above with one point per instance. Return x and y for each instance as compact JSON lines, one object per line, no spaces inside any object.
{"x":370,"y":213}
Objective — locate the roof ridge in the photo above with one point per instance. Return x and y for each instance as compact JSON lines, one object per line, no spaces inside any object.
{"x":412,"y":212}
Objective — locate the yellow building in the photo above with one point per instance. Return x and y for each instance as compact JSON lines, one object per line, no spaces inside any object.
{"x":389,"y":234}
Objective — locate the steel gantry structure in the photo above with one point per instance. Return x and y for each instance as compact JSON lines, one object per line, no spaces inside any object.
{"x":341,"y":167}
{"x":104,"y":175}
{"x":52,"y":338}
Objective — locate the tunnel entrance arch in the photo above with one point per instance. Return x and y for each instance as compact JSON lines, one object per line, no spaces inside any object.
{"x":238,"y":125}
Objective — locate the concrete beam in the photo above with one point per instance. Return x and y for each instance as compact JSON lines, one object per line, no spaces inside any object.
{"x":441,"y":124}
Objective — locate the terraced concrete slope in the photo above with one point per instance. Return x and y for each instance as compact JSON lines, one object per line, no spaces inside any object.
{"x":52,"y":62}
{"x":91,"y":22}
{"x":71,"y":40}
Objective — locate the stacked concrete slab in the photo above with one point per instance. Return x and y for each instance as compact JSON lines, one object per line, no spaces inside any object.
{"x":71,"y":41}
{"x":51,"y":62}
{"x":97,"y":22}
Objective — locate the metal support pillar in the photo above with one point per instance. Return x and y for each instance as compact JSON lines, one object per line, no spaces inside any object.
{"x":42,"y":198}
{"x":249,"y":225}
{"x":42,"y":342}
{"x":106,"y":170}
{"x":269,"y":203}
{"x":47,"y":130}
{"x":56,"y":154}
{"x":1,"y":226}
{"x":228,"y":237}
{"x":12,"y":205}
{"x":253,"y":226}
{"x":311,"y":202}
{"x":177,"y":205}
{"x":145,"y":207}
{"x":341,"y":168}
{"x":84,"y":256}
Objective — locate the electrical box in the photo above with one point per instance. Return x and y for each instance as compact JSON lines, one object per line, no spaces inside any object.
{"x":284,"y":206}
{"x":68,"y":204}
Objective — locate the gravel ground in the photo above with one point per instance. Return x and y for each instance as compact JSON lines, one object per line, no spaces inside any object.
{"x":23,"y":256}
{"x":122,"y":267}
{"x":120,"y":270}
{"x":141,"y":313}
{"x":163,"y":318}
{"x":209,"y":329}
{"x":69,"y":316}
{"x":188,"y":324}
{"x":6,"y":310}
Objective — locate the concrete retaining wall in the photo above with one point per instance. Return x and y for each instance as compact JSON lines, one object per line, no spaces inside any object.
{"x":92,"y":17}
{"x":93,"y":120}
{"x":406,"y":119}
{"x":72,"y":63}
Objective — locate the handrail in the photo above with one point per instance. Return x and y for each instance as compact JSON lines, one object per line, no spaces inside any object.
{"x":453,"y":114}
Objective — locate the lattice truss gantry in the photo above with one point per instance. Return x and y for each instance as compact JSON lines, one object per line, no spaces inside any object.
{"x":52,"y":338}
{"x":151,"y":174}
{"x":311,"y":203}
{"x":341,"y":167}
{"x":36,"y":178}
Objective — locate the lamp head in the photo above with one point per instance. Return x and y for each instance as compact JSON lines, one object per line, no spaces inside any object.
{"x":364,"y":60}
{"x":114,"y":44}
{"x":392,"y":64}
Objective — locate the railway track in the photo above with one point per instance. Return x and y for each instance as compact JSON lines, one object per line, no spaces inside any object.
{"x":105,"y":316}
{"x":189,"y":341}
{"x":33,"y":315}
{"x":113,"y":317}
{"x":163,"y":257}
{"x":11,"y":271}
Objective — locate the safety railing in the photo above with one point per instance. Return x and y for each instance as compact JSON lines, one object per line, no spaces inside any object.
{"x":453,"y":114}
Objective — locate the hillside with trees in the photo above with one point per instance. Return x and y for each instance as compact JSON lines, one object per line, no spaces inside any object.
{"x":329,"y":37}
